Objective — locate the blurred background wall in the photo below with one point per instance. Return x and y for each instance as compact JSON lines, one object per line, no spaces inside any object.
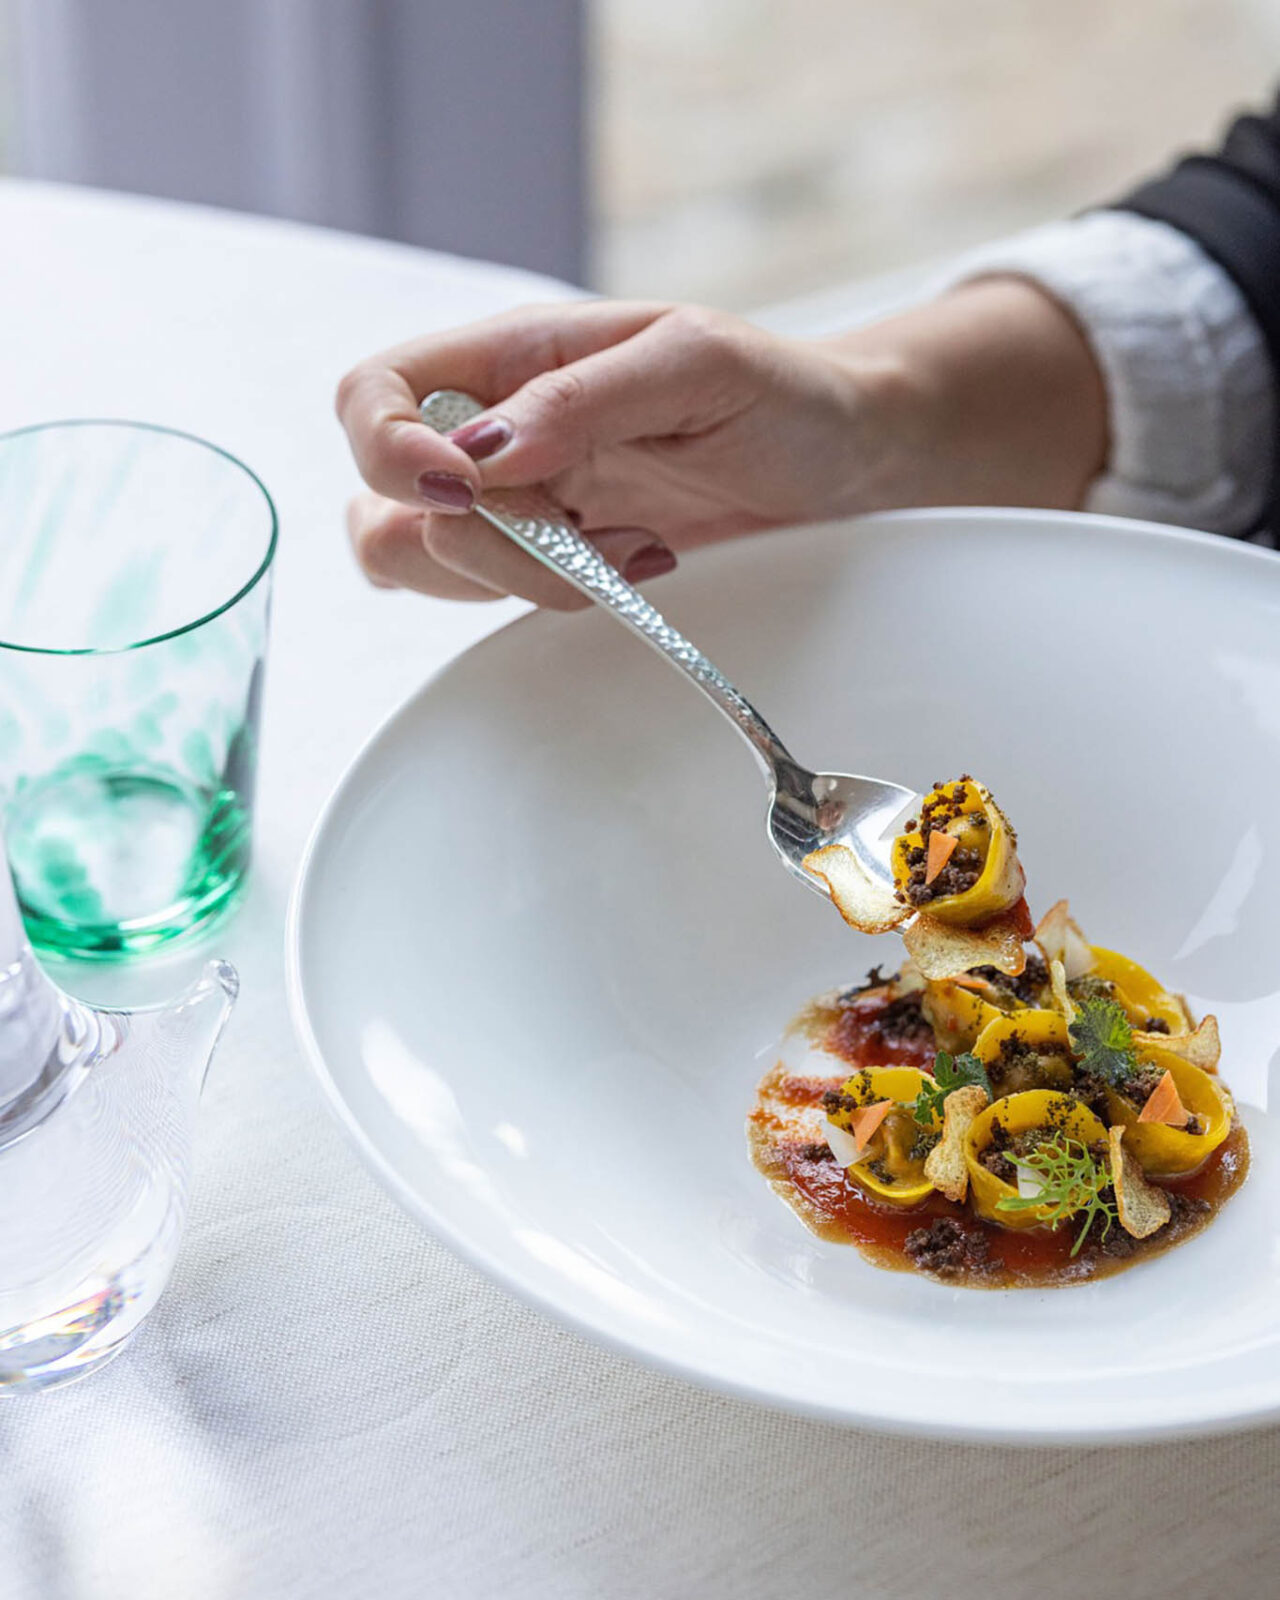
{"x":731,"y":151}
{"x":748,"y":150}
{"x":457,"y":125}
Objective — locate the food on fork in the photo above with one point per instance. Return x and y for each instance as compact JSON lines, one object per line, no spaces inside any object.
{"x":959,"y":862}
{"x":957,"y":885}
{"x":989,"y":1115}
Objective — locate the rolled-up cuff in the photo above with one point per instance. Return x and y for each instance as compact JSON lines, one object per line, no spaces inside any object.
{"x":1189,"y":382}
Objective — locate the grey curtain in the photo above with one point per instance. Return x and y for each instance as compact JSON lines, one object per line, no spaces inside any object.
{"x":451,"y":123}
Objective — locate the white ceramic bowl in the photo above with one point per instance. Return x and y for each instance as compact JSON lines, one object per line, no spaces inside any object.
{"x":541,"y":952}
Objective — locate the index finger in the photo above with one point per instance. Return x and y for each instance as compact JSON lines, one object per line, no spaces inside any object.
{"x":377,"y":401}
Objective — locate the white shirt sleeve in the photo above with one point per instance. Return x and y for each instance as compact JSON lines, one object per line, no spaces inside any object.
{"x":1189,"y":381}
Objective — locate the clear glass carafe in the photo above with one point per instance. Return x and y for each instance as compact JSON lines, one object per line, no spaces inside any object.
{"x":97,"y":1115}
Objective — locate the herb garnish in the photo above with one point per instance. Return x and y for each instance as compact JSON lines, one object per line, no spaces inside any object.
{"x":950,"y":1072}
{"x":1072,"y":1182}
{"x":1103,"y":1040}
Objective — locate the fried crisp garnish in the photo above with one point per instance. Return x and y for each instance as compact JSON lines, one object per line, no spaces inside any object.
{"x":1180,"y":1000}
{"x":1202,"y":1048}
{"x":862,"y":902}
{"x":1142,"y":1207}
{"x":945,"y":1165}
{"x":1060,"y":939}
{"x":942,"y":950}
{"x":1061,"y":999}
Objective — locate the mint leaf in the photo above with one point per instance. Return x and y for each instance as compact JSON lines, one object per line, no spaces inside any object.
{"x":950,"y":1072}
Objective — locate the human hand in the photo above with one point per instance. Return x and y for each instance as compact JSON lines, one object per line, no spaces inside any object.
{"x":659,"y":428}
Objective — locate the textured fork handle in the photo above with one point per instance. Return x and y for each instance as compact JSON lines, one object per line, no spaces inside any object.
{"x":533,"y":522}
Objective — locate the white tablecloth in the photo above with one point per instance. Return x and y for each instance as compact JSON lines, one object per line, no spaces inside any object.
{"x":326,"y":1403}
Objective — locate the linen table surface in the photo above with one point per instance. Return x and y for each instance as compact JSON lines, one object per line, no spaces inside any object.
{"x":327,"y":1403}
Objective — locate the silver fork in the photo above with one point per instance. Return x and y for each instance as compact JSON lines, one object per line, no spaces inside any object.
{"x":807,"y":810}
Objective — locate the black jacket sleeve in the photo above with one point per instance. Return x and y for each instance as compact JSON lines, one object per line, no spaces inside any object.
{"x":1229,"y":203}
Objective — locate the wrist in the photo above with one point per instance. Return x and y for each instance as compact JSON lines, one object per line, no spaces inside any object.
{"x":989,"y":395}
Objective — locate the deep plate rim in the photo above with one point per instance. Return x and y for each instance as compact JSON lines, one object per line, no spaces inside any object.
{"x":530,"y":1290}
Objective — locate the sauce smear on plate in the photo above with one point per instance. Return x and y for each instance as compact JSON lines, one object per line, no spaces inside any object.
{"x":869,"y":1029}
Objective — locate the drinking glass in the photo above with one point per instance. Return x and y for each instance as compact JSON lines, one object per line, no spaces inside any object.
{"x":135,"y":571}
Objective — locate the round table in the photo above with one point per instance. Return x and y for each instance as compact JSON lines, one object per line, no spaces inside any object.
{"x":326,"y":1403}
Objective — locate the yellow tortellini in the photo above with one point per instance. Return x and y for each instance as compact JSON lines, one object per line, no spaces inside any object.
{"x":1163,"y":1150}
{"x":891,"y":1165}
{"x":960,"y":862}
{"x":1026,"y":1050}
{"x":1143,"y":998}
{"x":1035,"y":1110}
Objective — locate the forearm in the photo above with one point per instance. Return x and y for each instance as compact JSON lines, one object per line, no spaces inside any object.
{"x":1189,"y":387}
{"x":990,"y":396}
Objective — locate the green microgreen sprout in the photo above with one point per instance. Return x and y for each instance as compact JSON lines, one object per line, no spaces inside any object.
{"x":1073,"y":1183}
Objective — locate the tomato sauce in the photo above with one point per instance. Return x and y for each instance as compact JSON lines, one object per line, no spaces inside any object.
{"x":866,"y":1031}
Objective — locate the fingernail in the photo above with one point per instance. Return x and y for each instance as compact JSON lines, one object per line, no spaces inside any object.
{"x":650,"y":562}
{"x":483,"y":439}
{"x":637,"y":553}
{"x":446,"y":490}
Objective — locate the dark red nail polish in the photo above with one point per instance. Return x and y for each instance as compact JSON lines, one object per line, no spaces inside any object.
{"x":649,"y":562}
{"x":484,"y":438}
{"x":446,"y":490}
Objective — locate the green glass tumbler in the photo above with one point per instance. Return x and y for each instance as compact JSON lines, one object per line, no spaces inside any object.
{"x":135,"y":578}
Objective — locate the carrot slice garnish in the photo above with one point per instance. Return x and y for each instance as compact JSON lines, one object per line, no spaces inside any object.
{"x":940,"y":847}
{"x":864,"y":1122}
{"x":1164,"y":1104}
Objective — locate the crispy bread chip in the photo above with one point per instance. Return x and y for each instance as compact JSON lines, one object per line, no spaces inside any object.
{"x":1181,"y":1001}
{"x":1143,"y":1208}
{"x":1202,"y":1049}
{"x":863,"y":903}
{"x":1060,"y":939}
{"x":1061,"y":999}
{"x":945,"y":1165}
{"x":943,"y":951}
